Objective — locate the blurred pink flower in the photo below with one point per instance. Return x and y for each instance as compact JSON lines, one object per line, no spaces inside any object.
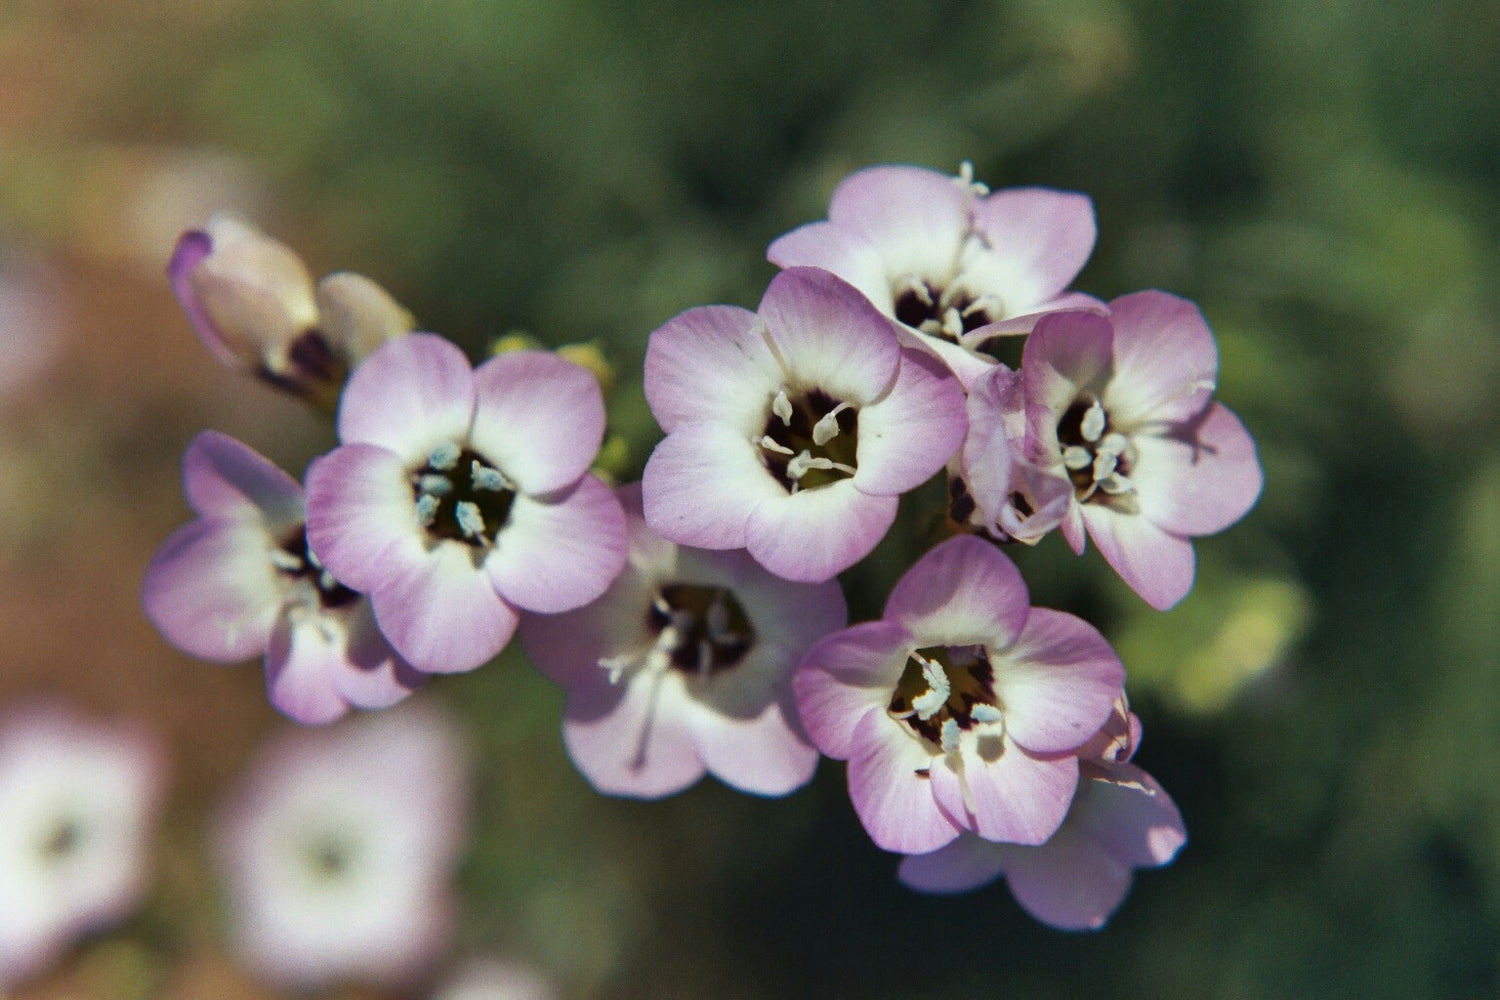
{"x":493,"y":979}
{"x":338,"y":848}
{"x":78,"y":801}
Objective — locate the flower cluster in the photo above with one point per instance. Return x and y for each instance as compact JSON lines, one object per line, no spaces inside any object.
{"x":695,"y":617}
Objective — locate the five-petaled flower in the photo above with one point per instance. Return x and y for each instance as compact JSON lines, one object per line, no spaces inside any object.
{"x":338,"y":847}
{"x":1121,"y":819}
{"x":253,"y":304}
{"x":963,"y":707}
{"x":460,"y":496}
{"x":78,"y":801}
{"x":1122,"y":407}
{"x":792,"y":431}
{"x":241,"y":581}
{"x":684,"y":665}
{"x":955,"y":262}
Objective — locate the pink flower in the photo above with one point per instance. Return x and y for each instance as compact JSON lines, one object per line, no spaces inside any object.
{"x":1121,"y":819}
{"x":78,"y":801}
{"x":1122,"y":406}
{"x":963,"y":707}
{"x":461,"y":496}
{"x":953,"y":261}
{"x":338,"y":848}
{"x":684,"y":666}
{"x":253,"y":304}
{"x":792,"y":431}
{"x":494,"y":979}
{"x":241,"y":582}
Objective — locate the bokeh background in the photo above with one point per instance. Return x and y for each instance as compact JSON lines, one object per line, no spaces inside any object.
{"x":1320,"y":177}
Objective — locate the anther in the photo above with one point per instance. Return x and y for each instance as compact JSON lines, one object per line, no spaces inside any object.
{"x":1093,"y":423}
{"x":827,"y":428}
{"x":1076,"y":457}
{"x":482,"y":477}
{"x":931,"y":701}
{"x":435,"y":485}
{"x":444,"y":456}
{"x":427,"y":508}
{"x":771,"y":444}
{"x":949,"y":735}
{"x":782,"y":407}
{"x":285,"y":561}
{"x":470,"y":521}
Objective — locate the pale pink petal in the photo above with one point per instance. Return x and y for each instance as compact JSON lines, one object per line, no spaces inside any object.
{"x":633,"y":738}
{"x":559,"y":554}
{"x":910,"y":434}
{"x":916,"y":217}
{"x":1067,"y":354}
{"x":765,"y":754}
{"x":842,"y":251}
{"x":301,"y":663}
{"x":224,"y":478}
{"x":371,"y":674}
{"x":192,"y":249}
{"x":989,"y":456}
{"x":1047,"y":235}
{"x":847,"y":676}
{"x":964,"y":591}
{"x":362,"y":516}
{"x":212,"y":592}
{"x":967,"y":863}
{"x":812,"y":535}
{"x":1131,"y":817}
{"x":1156,"y":564}
{"x":1067,"y":883}
{"x":967,"y":366}
{"x":1166,"y":362}
{"x":442,"y":614}
{"x":538,"y":418}
{"x":830,"y":336}
{"x":1014,"y":797}
{"x":1201,"y":481}
{"x":711,"y":364}
{"x":1059,"y":683}
{"x":412,"y":394}
{"x":702,"y":483}
{"x":891,"y":791}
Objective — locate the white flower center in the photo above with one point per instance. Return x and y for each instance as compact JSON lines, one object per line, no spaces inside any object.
{"x":1098,"y":458}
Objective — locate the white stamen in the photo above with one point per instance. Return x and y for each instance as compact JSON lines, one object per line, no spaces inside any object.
{"x":919,"y":288}
{"x":470,"y":521}
{"x":1076,"y":457}
{"x":444,"y":456}
{"x":618,"y":664}
{"x":326,"y":580}
{"x":930,"y":702}
{"x":427,"y":508}
{"x":949,"y":735}
{"x":965,"y":179}
{"x":827,"y":428}
{"x":774,"y":348}
{"x":285,"y":561}
{"x":435,"y":485}
{"x":1115,"y":443}
{"x":953,"y":323}
{"x":804,"y":463}
{"x":716,"y":619}
{"x":1093,"y":422}
{"x":485,"y":478}
{"x":1115,"y":484}
{"x":1104,"y":465}
{"x":705,"y":656}
{"x":986,"y":714}
{"x":769,"y":444}
{"x":782,"y":407}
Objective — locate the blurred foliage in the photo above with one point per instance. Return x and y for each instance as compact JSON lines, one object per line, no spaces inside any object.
{"x":1319,"y":177}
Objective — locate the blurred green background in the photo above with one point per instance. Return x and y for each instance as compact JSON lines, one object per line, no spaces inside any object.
{"x":1320,"y":177}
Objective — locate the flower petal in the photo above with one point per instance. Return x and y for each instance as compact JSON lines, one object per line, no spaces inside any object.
{"x":812,"y":535}
{"x":964,"y":591}
{"x":911,"y":433}
{"x":702,"y":483}
{"x":193,"y":248}
{"x":765,"y":754}
{"x":1014,"y":798}
{"x":1067,"y":354}
{"x":841,"y":251}
{"x":1044,"y":236}
{"x":1058,"y":683}
{"x":847,"y":676}
{"x":441,"y":612}
{"x":891,"y":792}
{"x":212,"y":592}
{"x":711,"y":364}
{"x":1202,"y":481}
{"x":830,"y":336}
{"x":371,"y":674}
{"x":1068,"y":882}
{"x":361,"y":517}
{"x":538,"y":417}
{"x":633,"y":738}
{"x":411,"y":395}
{"x":916,"y":217}
{"x":301,"y":662}
{"x":967,"y":863}
{"x":1156,"y":564}
{"x":1166,"y":362}
{"x":559,"y":555}
{"x":224,"y":478}
{"x":1130,"y":816}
